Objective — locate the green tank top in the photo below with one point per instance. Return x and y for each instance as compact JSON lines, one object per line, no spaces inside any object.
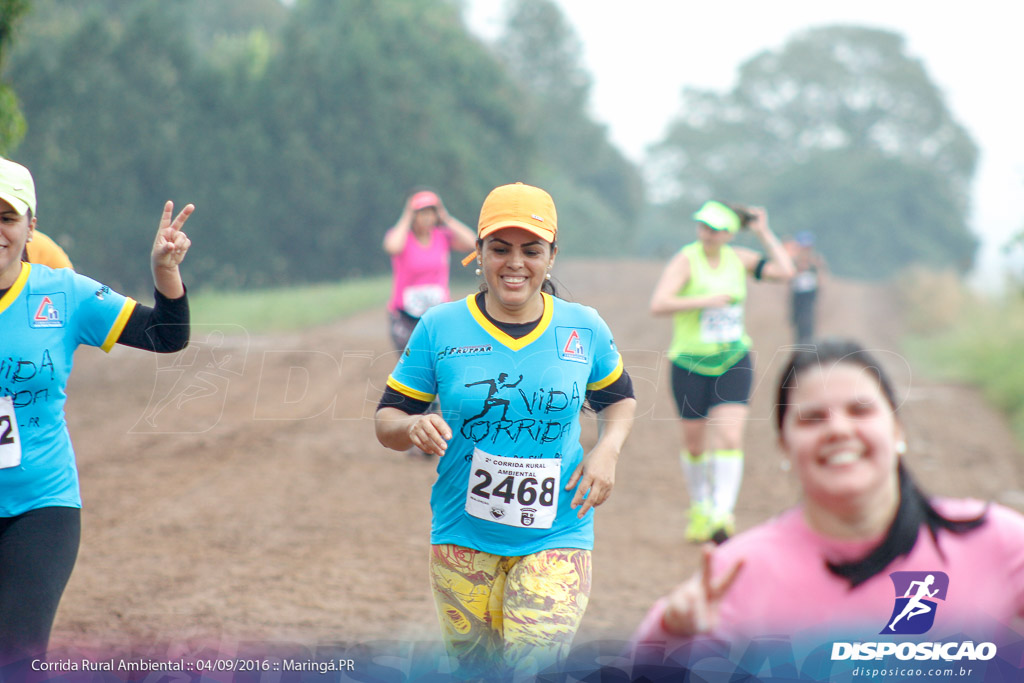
{"x":709,"y":341}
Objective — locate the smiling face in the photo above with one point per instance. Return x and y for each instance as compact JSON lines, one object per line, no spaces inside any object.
{"x":841,"y":433}
{"x":514,"y":263}
{"x":15,"y":231}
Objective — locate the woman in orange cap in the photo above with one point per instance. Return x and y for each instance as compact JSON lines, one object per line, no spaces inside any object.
{"x":513,"y":366}
{"x":419,"y":245}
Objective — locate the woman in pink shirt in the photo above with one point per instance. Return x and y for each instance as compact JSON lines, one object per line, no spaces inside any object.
{"x":866,"y":554}
{"x":419,"y":245}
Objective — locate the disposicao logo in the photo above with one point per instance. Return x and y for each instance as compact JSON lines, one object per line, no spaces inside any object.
{"x":917,"y":600}
{"x":917,"y":596}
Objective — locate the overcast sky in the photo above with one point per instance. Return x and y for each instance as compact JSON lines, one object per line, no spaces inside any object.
{"x":642,"y":53}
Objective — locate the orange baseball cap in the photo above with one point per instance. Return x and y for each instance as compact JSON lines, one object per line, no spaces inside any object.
{"x":517,"y":206}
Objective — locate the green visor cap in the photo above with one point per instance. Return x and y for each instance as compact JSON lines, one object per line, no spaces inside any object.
{"x":718,"y":216}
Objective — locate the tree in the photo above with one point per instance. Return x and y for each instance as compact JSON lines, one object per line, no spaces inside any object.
{"x":842,"y":133}
{"x":12,"y":123}
{"x":297,"y":136}
{"x":598,"y":187}
{"x":105,"y":95}
{"x":368,"y":99}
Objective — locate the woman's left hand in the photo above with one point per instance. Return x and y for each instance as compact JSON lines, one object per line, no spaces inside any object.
{"x":169,"y":249}
{"x":171,"y":244}
{"x":759,"y":220}
{"x":596,"y":478}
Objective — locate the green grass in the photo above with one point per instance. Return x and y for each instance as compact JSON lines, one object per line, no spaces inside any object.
{"x":289,"y":308}
{"x":978,"y":342}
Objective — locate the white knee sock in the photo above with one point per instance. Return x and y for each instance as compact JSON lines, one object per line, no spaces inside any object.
{"x":697,"y":470}
{"x":727,"y":474}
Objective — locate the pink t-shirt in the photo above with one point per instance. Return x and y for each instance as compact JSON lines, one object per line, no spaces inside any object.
{"x":420,"y":273}
{"x":784,"y":587}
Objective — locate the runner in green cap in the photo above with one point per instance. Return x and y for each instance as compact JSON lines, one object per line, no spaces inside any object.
{"x":704,"y":288}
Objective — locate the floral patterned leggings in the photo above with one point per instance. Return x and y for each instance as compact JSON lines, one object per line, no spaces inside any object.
{"x":509,"y":614}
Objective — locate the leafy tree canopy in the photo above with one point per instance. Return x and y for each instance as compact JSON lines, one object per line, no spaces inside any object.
{"x":12,"y":123}
{"x":839,"y":132}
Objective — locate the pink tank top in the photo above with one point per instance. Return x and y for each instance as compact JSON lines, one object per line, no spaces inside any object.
{"x":420,"y":274}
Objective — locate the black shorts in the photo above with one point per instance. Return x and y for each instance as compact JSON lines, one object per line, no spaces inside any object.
{"x":697,"y":394}
{"x":400,"y":325}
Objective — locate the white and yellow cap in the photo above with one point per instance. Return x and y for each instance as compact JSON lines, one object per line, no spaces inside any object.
{"x":718,"y":216}
{"x":16,"y":186}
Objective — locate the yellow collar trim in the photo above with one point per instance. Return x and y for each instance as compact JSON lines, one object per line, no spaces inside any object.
{"x":503,"y":338}
{"x":16,"y":288}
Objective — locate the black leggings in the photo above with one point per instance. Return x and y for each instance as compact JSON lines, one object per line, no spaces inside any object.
{"x":37,"y":553}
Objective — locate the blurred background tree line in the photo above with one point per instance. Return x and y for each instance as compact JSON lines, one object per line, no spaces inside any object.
{"x":298,"y":130}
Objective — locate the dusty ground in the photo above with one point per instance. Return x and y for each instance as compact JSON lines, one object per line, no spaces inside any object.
{"x":236,"y":492}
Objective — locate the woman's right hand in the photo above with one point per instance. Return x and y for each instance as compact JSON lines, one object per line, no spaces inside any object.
{"x":430,"y":433}
{"x":718,"y":300}
{"x":692,"y":607}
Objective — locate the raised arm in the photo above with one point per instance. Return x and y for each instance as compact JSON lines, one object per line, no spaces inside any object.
{"x":779,"y":265}
{"x":395,"y":237}
{"x":463,"y":237}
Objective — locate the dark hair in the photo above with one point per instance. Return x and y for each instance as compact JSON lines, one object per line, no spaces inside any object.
{"x":24,"y":251}
{"x":548,"y":287}
{"x":744,"y":213}
{"x":915,"y":508}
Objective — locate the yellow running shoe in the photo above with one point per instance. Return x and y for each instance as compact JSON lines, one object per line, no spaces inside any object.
{"x":721,"y":527}
{"x":698,"y":530}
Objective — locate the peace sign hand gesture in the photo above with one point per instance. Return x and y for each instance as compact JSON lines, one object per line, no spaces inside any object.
{"x":169,"y":249}
{"x":692,"y":606}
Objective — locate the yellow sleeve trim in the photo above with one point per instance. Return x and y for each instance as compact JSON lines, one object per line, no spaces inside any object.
{"x":612,"y":376}
{"x":119,"y":323}
{"x":409,"y":391}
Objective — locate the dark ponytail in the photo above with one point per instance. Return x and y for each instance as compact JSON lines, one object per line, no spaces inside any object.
{"x":914,"y":511}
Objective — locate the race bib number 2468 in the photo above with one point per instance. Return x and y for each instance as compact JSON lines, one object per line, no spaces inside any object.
{"x":519,"y":492}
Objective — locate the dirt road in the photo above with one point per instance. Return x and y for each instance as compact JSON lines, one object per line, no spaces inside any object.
{"x":236,"y":491}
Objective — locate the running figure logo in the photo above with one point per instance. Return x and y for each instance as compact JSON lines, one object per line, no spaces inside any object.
{"x":493,"y":400}
{"x":916,"y":592}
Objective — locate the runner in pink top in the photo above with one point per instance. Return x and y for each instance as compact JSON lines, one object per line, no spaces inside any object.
{"x":419,"y":245}
{"x":866,"y":554}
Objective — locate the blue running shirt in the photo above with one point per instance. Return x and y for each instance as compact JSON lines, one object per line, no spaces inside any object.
{"x":517,"y":402}
{"x":44,"y":317}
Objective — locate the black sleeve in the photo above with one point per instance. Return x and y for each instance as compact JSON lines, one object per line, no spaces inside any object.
{"x":613,"y":393}
{"x":395,"y":399}
{"x":163,"y":328}
{"x":759,"y":269}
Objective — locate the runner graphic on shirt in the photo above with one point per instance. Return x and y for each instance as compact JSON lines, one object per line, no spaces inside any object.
{"x":491,"y":401}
